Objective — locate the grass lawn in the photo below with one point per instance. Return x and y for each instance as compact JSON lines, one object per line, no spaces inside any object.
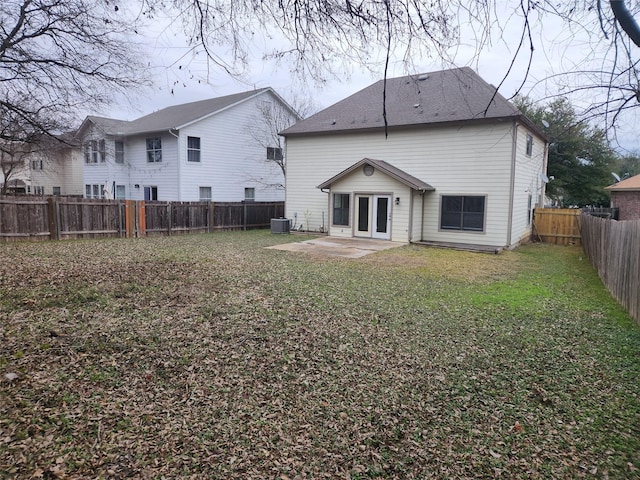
{"x":209,"y":356}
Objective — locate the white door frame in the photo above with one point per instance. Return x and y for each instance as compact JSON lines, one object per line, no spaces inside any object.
{"x":357,"y":218}
{"x":381,"y":220}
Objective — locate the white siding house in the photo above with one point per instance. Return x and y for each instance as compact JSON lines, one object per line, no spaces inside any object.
{"x":52,"y":167}
{"x":456,"y":164}
{"x":215,"y":149}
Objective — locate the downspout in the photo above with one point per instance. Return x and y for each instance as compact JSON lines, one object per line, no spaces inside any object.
{"x":514,"y":145}
{"x":179,"y":163}
{"x":328,"y":192}
{"x":410,"y":233}
{"x":422,"y":219}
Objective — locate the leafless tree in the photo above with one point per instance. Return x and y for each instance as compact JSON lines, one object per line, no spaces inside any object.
{"x":58,"y":57}
{"x":320,"y":39}
{"x":264,"y":128}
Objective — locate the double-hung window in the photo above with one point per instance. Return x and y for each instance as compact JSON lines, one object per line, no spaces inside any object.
{"x":93,"y":191}
{"x":460,"y":212}
{"x":91,"y":151}
{"x":119,"y":151}
{"x":341,"y":209}
{"x":193,"y":149}
{"x":154,"y":150}
{"x":529,"y":147}
{"x":102,"y":151}
{"x":205,"y":194}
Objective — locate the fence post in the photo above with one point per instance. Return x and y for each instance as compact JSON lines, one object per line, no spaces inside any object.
{"x":142,"y":219}
{"x":119,"y":219}
{"x":211,"y":217}
{"x":244,"y":216}
{"x":169,"y":218}
{"x":129,"y":217}
{"x":54,"y":227}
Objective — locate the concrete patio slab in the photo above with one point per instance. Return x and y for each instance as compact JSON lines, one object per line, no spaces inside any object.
{"x":338,"y":246}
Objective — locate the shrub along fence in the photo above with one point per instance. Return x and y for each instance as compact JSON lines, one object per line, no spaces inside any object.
{"x":614,"y":250}
{"x":59,"y":218}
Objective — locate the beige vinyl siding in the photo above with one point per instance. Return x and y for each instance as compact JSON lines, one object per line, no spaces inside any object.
{"x":381,"y":184}
{"x":460,"y":160}
{"x":526,"y":180}
{"x":416,"y":217}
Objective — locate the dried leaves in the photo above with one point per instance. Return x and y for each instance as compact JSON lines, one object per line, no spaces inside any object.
{"x":210,"y":357}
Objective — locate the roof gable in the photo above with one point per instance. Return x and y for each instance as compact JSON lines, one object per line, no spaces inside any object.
{"x":384,"y":167}
{"x":444,"y":96}
{"x":176,"y":116}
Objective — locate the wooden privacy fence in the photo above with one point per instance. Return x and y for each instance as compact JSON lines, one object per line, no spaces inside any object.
{"x":557,"y":225}
{"x":54,"y":218}
{"x":614,"y":250}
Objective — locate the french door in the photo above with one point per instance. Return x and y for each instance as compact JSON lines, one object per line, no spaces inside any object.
{"x":373,"y":216}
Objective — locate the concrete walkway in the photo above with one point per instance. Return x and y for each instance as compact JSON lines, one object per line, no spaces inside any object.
{"x":339,"y":246}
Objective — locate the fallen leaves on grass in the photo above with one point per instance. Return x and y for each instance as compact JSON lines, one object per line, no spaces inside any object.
{"x":210,"y":357}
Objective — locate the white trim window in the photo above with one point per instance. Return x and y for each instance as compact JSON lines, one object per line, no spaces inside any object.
{"x":529,"y":147}
{"x":274,"y":153}
{"x":193,"y":149}
{"x":154,"y":150}
{"x":151,"y":193}
{"x":249,"y":194}
{"x":205,"y":194}
{"x":91,"y":151}
{"x":119,"y":151}
{"x":93,"y":191}
{"x":121,"y":192}
{"x":102,"y":150}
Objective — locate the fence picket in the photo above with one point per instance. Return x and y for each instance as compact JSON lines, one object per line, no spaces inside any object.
{"x":64,"y":218}
{"x":613,"y":248}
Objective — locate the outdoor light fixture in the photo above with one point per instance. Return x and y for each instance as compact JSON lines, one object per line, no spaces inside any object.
{"x":136,"y":186}
{"x":397,"y":200}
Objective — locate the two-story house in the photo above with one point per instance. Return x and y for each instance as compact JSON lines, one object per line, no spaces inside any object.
{"x":220,"y":149}
{"x":439,"y":157}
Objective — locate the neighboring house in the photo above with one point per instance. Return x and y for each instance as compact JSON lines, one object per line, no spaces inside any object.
{"x":625,"y":196}
{"x":214,"y":150}
{"x":53,"y":166}
{"x":456,"y":164}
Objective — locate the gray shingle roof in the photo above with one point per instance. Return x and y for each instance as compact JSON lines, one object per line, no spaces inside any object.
{"x":181,"y":115}
{"x":387,"y":168}
{"x":171,"y":117}
{"x":444,"y":96}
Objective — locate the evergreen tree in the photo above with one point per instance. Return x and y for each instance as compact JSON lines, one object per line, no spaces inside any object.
{"x":580,"y":158}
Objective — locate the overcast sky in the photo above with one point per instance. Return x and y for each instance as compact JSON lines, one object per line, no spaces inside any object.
{"x":182,"y":75}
